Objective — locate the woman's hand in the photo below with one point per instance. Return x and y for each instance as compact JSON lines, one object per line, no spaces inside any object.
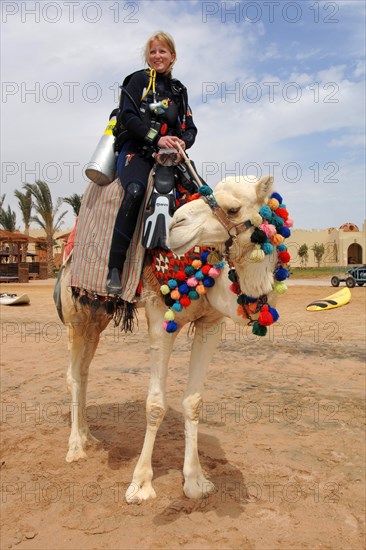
{"x":170,"y":142}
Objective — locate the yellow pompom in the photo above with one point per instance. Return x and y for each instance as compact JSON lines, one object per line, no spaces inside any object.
{"x":273,"y":204}
{"x":279,"y":287}
{"x":196,"y":264}
{"x":164,"y":289}
{"x":257,"y":255}
{"x":256,"y":220}
{"x":169,"y":315}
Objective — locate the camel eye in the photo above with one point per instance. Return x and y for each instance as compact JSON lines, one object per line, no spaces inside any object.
{"x":233,"y":211}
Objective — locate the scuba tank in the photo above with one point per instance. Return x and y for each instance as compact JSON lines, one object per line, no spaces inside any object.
{"x":102,"y":166}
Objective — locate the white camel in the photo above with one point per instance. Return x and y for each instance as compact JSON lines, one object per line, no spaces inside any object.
{"x":192,"y":224}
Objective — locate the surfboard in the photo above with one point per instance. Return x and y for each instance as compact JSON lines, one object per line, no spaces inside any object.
{"x":14,"y":299}
{"x":338,"y":299}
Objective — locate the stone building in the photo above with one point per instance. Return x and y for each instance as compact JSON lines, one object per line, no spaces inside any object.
{"x":344,"y":246}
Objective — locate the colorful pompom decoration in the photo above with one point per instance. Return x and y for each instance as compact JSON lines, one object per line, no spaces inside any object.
{"x":189,"y":284}
{"x":267,"y":235}
{"x":271,"y":227}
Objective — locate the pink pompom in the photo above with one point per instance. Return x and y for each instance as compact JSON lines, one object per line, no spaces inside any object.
{"x":192,"y":282}
{"x":268,"y":229}
{"x":214,"y":272}
{"x":165,"y":324}
{"x":289,"y":222}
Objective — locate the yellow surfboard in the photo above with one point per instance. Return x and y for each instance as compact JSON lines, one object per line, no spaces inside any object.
{"x":338,"y":299}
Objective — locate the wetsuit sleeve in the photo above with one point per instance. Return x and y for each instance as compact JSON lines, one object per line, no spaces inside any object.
{"x":131,"y":119}
{"x":190,"y":131}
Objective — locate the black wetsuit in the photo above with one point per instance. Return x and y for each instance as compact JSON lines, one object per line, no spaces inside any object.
{"x":135,"y":161}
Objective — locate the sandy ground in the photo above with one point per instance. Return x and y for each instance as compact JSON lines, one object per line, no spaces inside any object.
{"x":281,"y":435}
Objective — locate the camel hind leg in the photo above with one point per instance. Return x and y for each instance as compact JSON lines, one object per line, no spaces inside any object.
{"x":84,"y":339}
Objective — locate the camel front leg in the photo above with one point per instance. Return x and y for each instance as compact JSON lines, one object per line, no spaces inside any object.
{"x":161,"y":345}
{"x":83,"y":344}
{"x":207,"y":334}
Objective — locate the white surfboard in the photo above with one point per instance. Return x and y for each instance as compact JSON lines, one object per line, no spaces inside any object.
{"x":8,"y":299}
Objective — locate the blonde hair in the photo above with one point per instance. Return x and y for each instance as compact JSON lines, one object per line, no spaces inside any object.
{"x":166,"y":39}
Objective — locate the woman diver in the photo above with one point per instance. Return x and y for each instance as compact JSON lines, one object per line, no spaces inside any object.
{"x":153,"y":113}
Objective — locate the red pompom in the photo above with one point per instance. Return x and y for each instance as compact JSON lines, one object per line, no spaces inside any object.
{"x":185,"y":301}
{"x":235,"y":287}
{"x":180,"y":275}
{"x":205,"y":269}
{"x":282,"y":213}
{"x":265,"y":318}
{"x":193,"y":197}
{"x":284,"y":257}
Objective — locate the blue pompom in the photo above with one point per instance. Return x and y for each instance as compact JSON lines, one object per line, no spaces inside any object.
{"x":189,"y":271}
{"x":199,"y":275}
{"x":204,"y":255}
{"x":184,"y":288}
{"x":277,"y":221}
{"x":274,"y":313}
{"x":277,"y":196}
{"x":172,"y":326}
{"x":281,"y":274}
{"x":267,"y":248}
{"x":172,"y":283}
{"x":220,"y":265}
{"x":205,"y":191}
{"x":208,"y":281}
{"x":285,"y":232}
{"x":281,"y":247}
{"x":265,"y":212}
{"x":177,"y":306}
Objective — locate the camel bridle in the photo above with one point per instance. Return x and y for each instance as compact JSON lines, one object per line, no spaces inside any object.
{"x":233,"y":229}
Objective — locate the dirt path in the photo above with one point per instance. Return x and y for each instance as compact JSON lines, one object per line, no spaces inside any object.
{"x":281,"y":435}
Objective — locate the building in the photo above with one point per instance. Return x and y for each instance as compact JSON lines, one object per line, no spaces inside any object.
{"x":344,"y":246}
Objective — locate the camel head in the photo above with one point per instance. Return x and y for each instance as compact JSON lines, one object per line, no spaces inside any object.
{"x":240,"y":198}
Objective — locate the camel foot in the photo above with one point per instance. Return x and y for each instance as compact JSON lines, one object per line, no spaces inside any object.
{"x":75,"y":454}
{"x":198,"y":487}
{"x":137,"y":492}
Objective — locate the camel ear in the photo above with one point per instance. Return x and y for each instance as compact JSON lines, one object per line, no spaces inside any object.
{"x":264,"y":187}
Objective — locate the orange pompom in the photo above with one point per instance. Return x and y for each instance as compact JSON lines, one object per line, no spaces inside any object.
{"x":196,"y":264}
{"x":277,"y":239}
{"x":175,"y":294}
{"x":200,"y":289}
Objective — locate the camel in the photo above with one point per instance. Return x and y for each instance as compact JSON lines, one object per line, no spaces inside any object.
{"x":193,"y":224}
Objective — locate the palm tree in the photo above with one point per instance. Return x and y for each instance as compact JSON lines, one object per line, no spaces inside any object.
{"x":25,"y":205}
{"x":75,"y":202}
{"x":47,"y":216}
{"x":8,"y":219}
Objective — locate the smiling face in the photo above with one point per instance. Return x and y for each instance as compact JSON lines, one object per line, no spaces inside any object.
{"x":160,"y":57}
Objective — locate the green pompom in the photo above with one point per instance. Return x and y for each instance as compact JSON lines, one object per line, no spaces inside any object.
{"x":259,"y":330}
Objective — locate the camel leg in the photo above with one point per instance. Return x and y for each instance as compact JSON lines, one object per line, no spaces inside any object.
{"x":85,"y":339}
{"x":161,"y":345}
{"x":206,"y":338}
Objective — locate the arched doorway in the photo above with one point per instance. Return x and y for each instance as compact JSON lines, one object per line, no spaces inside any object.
{"x":354,"y":254}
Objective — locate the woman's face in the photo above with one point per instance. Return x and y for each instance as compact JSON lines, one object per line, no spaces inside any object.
{"x":160,"y":57}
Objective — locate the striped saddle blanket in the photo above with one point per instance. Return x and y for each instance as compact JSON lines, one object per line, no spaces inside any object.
{"x":93,"y":237}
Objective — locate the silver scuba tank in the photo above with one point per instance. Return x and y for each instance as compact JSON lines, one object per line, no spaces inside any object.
{"x":102,"y":166}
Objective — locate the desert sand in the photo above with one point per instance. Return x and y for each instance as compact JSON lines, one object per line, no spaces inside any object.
{"x":281,"y":435}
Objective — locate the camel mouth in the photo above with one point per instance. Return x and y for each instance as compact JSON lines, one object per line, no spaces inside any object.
{"x":179,"y":240}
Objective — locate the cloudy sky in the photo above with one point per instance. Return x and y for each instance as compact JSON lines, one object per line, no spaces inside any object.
{"x":275,"y":87}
